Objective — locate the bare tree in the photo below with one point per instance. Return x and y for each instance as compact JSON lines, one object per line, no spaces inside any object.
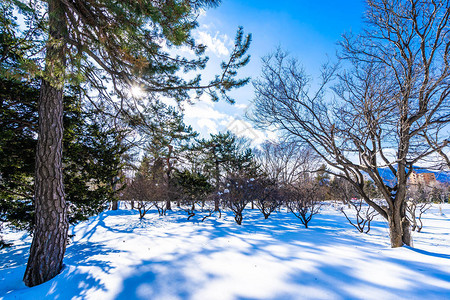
{"x":267,"y":196}
{"x":396,"y":87}
{"x":146,"y":193}
{"x":304,"y":199}
{"x":416,"y":207}
{"x":364,"y":214}
{"x":285,"y":161}
{"x":239,"y":191}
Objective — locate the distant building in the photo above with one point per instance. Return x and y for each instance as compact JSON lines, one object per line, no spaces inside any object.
{"x":422,"y":178}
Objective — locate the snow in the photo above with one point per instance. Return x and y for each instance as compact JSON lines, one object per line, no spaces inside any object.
{"x":117,"y":256}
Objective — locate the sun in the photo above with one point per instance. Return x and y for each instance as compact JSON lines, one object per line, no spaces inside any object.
{"x":137,"y":91}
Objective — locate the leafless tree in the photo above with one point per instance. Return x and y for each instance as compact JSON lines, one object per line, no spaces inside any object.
{"x":146,"y":193}
{"x":267,"y":197}
{"x":239,"y":191}
{"x":364,"y":214}
{"x":418,"y":203}
{"x":304,"y":199}
{"x":396,"y":86}
{"x":285,"y":161}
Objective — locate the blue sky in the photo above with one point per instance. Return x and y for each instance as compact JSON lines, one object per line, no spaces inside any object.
{"x":308,"y":30}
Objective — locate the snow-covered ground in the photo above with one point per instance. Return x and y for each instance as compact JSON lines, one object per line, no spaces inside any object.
{"x":116,"y":256}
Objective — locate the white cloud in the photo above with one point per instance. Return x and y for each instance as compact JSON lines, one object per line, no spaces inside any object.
{"x":243,"y":128}
{"x":203,"y":109}
{"x":241,"y":106}
{"x":203,"y":116}
{"x":209,"y":125}
{"x":207,"y":119}
{"x":215,"y":44}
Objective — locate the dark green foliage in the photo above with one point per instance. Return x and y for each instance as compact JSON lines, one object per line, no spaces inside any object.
{"x":225,"y":154}
{"x":18,"y":118}
{"x":92,"y":165}
{"x":92,"y":156}
{"x":191,"y":186}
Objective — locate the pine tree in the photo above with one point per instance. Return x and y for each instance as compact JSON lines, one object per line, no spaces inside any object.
{"x":166,"y":138}
{"x":225,"y":154}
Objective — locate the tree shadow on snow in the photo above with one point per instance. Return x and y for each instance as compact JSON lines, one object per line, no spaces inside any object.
{"x":307,"y":266}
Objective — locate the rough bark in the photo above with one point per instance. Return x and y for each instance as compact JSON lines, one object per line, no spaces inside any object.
{"x":51,"y":225}
{"x":399,"y":227}
{"x":169,"y":176}
{"x":115,"y":205}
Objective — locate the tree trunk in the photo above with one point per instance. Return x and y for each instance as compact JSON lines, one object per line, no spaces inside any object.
{"x":115,"y":205}
{"x":115,"y":202}
{"x":399,"y":227}
{"x":216,"y":204}
{"x":169,"y":176}
{"x":238,"y":219}
{"x":217,"y":178}
{"x":51,"y":225}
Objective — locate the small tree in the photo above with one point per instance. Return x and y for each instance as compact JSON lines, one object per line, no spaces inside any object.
{"x":239,"y":191}
{"x":223,"y":154}
{"x":191,"y":188}
{"x":267,"y":196}
{"x":419,"y":201}
{"x":364,"y":214}
{"x":304,"y":200}
{"x":142,"y":192}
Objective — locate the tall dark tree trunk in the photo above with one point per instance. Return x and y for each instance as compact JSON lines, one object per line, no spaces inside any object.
{"x":51,"y":225}
{"x":169,"y":176}
{"x":217,"y":177}
{"x":115,"y":205}
{"x":115,"y":202}
{"x":399,"y":226}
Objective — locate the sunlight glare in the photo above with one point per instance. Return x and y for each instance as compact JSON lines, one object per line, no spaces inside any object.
{"x":136,"y":91}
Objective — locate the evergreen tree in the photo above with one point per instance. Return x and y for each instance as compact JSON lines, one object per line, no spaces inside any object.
{"x":18,"y":121}
{"x":92,"y":156}
{"x":191,"y":187}
{"x":166,"y":138}
{"x":224,"y":155}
